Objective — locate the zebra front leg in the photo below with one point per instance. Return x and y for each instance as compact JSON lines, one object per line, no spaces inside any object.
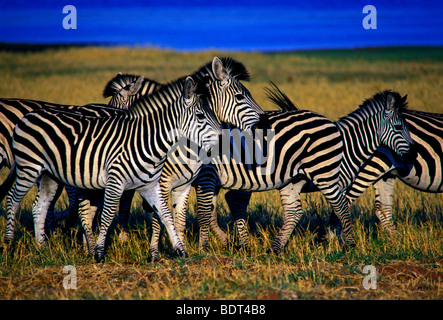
{"x":151,"y":193}
{"x":72,"y":212}
{"x":86,"y":214}
{"x":156,"y":231}
{"x":340,"y":205}
{"x":179,"y":198}
{"x":155,"y":238}
{"x":290,"y":200}
{"x":238,"y":202}
{"x":113,"y":193}
{"x":51,"y":217}
{"x":213,"y":224}
{"x":48,"y":191}
{"x":384,"y":198}
{"x":205,"y":197}
{"x":123,"y":215}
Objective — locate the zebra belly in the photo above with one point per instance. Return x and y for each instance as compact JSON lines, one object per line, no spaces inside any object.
{"x":424,"y":181}
{"x":426,"y":130}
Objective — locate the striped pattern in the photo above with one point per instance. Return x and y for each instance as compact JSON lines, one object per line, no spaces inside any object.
{"x":424,"y":173}
{"x":378,"y":121}
{"x":11,"y":112}
{"x":113,"y":153}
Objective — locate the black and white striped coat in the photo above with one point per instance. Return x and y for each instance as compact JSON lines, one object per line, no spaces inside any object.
{"x":423,"y":172}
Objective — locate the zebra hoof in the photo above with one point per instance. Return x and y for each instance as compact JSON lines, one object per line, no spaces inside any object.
{"x":99,"y":257}
{"x":276,"y":251}
{"x":348,"y":246}
{"x":181,"y":252}
{"x":8,"y":239}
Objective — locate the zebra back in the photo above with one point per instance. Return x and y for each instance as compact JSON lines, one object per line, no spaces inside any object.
{"x":11,"y":112}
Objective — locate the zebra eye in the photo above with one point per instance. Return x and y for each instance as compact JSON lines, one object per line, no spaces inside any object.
{"x":200,"y":116}
{"x":239,"y":96}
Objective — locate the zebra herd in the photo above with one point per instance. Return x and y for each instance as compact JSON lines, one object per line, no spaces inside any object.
{"x":161,"y":139}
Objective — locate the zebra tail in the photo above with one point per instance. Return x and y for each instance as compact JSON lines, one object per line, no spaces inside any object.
{"x":280,"y":98}
{"x":7,"y":184}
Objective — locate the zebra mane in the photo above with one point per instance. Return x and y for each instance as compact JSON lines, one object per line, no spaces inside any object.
{"x":279,"y":98}
{"x":235,"y":69}
{"x":400,"y":102}
{"x":120,"y":81}
{"x":165,"y":92}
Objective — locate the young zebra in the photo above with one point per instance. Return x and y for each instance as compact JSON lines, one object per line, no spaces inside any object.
{"x":303,"y":151}
{"x":114,"y":153}
{"x":424,"y":173}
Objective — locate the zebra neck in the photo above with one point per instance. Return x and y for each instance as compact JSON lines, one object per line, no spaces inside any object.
{"x":360,"y":140}
{"x":158,"y":117}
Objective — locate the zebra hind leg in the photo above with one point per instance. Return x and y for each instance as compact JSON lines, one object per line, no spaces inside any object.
{"x":24,"y":182}
{"x":48,"y":192}
{"x":290,"y":200}
{"x":86,"y":217}
{"x":384,"y":198}
{"x":179,"y":197}
{"x":113,"y":193}
{"x":123,"y":215}
{"x":155,"y":238}
{"x":238,"y":203}
{"x":152,"y":194}
{"x":206,"y":204}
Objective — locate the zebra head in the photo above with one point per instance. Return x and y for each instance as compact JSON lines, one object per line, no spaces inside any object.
{"x":124,"y":89}
{"x":199,"y":123}
{"x":229,"y":98}
{"x":393,"y":129}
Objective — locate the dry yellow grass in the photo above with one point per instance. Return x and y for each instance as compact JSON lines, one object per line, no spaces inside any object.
{"x":409,"y":264}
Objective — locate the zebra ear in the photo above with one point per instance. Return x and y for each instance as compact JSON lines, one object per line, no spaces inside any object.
{"x":135,"y":87}
{"x":390,"y":102}
{"x":219,"y":70}
{"x":189,"y":88}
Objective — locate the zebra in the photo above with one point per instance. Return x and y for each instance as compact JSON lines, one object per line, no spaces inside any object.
{"x":423,"y":172}
{"x":114,"y":153}
{"x":124,"y":90}
{"x":13,"y":110}
{"x":339,"y":154}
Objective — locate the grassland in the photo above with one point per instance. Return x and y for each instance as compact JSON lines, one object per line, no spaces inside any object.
{"x":409,"y":264}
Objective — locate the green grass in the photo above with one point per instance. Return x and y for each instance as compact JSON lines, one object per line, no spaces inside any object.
{"x":409,"y":263}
